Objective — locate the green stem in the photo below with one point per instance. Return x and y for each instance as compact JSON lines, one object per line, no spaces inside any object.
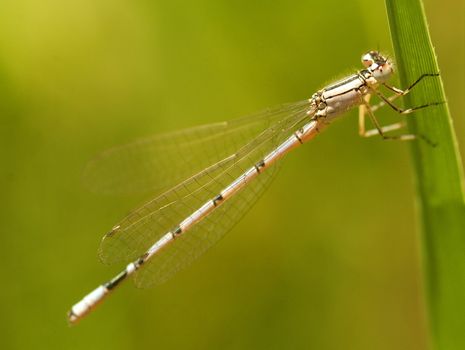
{"x":438,"y":176}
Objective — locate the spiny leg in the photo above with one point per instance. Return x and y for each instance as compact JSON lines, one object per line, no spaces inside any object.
{"x":380,"y":104}
{"x":401,"y":110}
{"x":365,"y":109}
{"x":378,"y":130}
{"x":381,"y":130}
{"x":399,"y":92}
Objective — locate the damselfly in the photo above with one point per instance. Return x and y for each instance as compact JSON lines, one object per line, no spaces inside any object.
{"x":221,"y":170}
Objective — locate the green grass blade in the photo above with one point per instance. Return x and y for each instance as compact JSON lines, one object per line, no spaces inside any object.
{"x":438,"y":174}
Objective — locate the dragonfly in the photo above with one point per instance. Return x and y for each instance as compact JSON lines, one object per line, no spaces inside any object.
{"x":221,"y":170}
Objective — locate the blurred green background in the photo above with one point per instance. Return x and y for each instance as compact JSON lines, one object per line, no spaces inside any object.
{"x":328,"y":258}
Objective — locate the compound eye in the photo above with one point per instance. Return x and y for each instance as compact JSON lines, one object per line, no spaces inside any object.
{"x":367,"y":59}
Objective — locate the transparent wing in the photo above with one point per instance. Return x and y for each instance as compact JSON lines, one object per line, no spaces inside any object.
{"x":138,"y":231}
{"x":161,"y":161}
{"x":205,"y":234}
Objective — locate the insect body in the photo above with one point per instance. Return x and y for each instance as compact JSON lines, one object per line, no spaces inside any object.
{"x":236,"y":162}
